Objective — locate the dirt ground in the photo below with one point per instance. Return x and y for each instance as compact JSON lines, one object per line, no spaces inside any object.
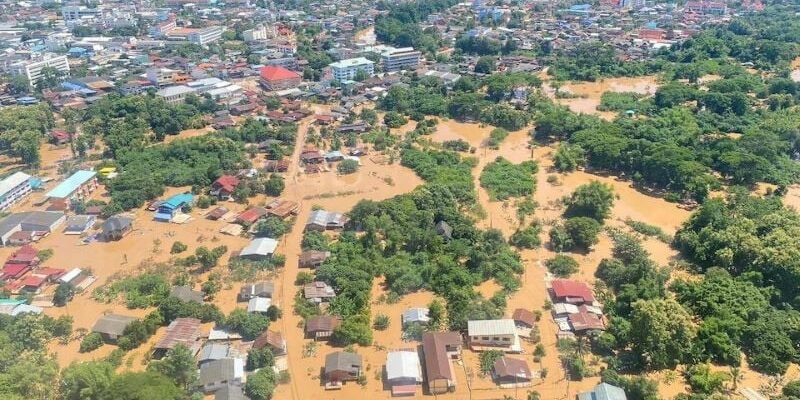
{"x":149,"y":243}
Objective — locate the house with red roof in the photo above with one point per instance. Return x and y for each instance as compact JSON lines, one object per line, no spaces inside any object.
{"x":251,"y":216}
{"x":572,"y":292}
{"x":585,"y":320}
{"x":59,"y":136}
{"x":32,"y":284}
{"x":13,"y":271}
{"x":224,"y":187}
{"x":27,"y":255}
{"x":274,"y":77}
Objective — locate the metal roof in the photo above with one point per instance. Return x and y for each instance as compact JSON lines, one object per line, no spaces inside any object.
{"x":71,"y":184}
{"x":17,"y":178}
{"x":403,"y":364}
{"x":260,"y":247}
{"x":491,"y":327}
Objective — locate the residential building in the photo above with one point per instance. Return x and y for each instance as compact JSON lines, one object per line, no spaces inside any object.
{"x":347,"y":70}
{"x":400,"y":59}
{"x":206,"y":35}
{"x":318,"y":292}
{"x":78,"y":224}
{"x":321,"y":327}
{"x":175,"y":94}
{"x":213,"y":351}
{"x":117,"y":226}
{"x":256,"y":34}
{"x":313,"y":258}
{"x":76,"y":13}
{"x":111,"y":326}
{"x":172,"y":206}
{"x":572,"y":292}
{"x":258,"y":289}
{"x":181,"y":331}
{"x":33,"y":69}
{"x":75,"y":188}
{"x":403,"y":372}
{"x":259,"y":249}
{"x":230,"y":392}
{"x":14,"y":188}
{"x":35,"y":223}
{"x":603,"y":391}
{"x":321,"y":220}
{"x":224,"y":186}
{"x":272,"y":340}
{"x":259,"y":305}
{"x":439,"y":348}
{"x":512,"y":372}
{"x":416,"y":315}
{"x":340,"y":367}
{"x":279,"y":78}
{"x":187,"y":294}
{"x":217,"y":374}
{"x":493,"y":334}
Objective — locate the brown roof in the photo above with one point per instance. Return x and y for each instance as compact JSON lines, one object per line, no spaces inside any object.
{"x":507,"y":367}
{"x":180,"y":331}
{"x":434,"y":346}
{"x":525,"y":316}
{"x":322,"y":323}
{"x":585,"y":321}
{"x":269,"y":338}
{"x":283,"y":208}
{"x":313,"y":256}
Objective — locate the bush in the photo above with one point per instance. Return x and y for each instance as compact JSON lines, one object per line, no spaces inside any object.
{"x":593,"y":200}
{"x":527,"y":238}
{"x":583,"y":231}
{"x":456,"y":145}
{"x":90,"y":342}
{"x":487,"y":360}
{"x":178,"y":247}
{"x":347,"y":167}
{"x":274,"y":185}
{"x":496,"y":136}
{"x":314,"y":240}
{"x":503,"y":179}
{"x":272,"y":227}
{"x":562,"y":266}
{"x":393,"y":119}
{"x":64,"y":293}
{"x":259,"y":358}
{"x":568,"y":158}
{"x":303,"y":278}
{"x":381,"y":322}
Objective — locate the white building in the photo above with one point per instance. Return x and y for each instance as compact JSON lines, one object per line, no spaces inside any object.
{"x":494,"y":334}
{"x":175,"y":94}
{"x":33,"y":69}
{"x":256,"y":34}
{"x":346,"y":70}
{"x":206,"y":35}
{"x":218,"y":89}
{"x":76,"y":13}
{"x":14,"y":188}
{"x":399,"y":59}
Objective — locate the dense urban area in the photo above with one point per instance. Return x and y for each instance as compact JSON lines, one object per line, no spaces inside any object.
{"x":488,"y":200}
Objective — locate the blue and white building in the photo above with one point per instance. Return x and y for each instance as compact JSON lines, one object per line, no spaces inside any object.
{"x":14,"y":188}
{"x":346,"y":70}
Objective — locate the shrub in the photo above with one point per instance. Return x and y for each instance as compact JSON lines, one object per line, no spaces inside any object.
{"x":562,"y":266}
{"x":527,"y":238}
{"x":381,"y":322}
{"x":503,"y":179}
{"x":274,"y":185}
{"x":178,"y":247}
{"x":91,"y":342}
{"x":487,"y":360}
{"x":64,"y":293}
{"x":347,"y":167}
{"x":496,"y":136}
{"x":272,"y":227}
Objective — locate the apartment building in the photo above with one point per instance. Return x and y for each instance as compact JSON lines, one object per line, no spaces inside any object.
{"x":400,"y":59}
{"x":75,"y":13}
{"x":346,"y":70}
{"x":206,"y":35}
{"x":14,"y":188}
{"x":33,"y":69}
{"x":175,"y":94}
{"x":256,"y":34}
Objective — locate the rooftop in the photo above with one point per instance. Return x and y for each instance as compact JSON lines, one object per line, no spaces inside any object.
{"x":71,"y":184}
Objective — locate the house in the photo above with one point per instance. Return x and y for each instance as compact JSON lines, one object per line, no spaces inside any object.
{"x":115,"y":227}
{"x":283,"y":208}
{"x":276,"y":165}
{"x":493,"y":334}
{"x":603,"y":391}
{"x":340,"y":367}
{"x":321,"y":326}
{"x":310,"y":156}
{"x":78,"y":224}
{"x":217,"y":374}
{"x":172,"y":206}
{"x":251,"y":216}
{"x":59,"y":137}
{"x":313,"y":258}
{"x":224,"y":187}
{"x":27,"y":255}
{"x":75,"y":188}
{"x":318,"y":292}
{"x":403,"y":372}
{"x":572,"y":292}
{"x":259,"y":289}
{"x":259,"y":249}
{"x":183,"y":331}
{"x":14,"y":188}
{"x":13,"y":272}
{"x":523,"y":318}
{"x":217,"y":213}
{"x":32,"y":284}
{"x":272,"y":340}
{"x":212,"y":352}
{"x":187,"y":294}
{"x":112,"y":326}
{"x":585,"y":320}
{"x":275,"y":77}
{"x":438,"y":349}
{"x":321,"y":220}
{"x":36,"y":223}
{"x":230,"y":392}
{"x":333,"y":156}
{"x":512,"y":372}
{"x":444,"y":230}
{"x":416,"y":315}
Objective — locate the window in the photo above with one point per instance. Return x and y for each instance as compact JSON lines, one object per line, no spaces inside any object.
{"x":496,"y":338}
{"x":485,"y":338}
{"x":505,"y":339}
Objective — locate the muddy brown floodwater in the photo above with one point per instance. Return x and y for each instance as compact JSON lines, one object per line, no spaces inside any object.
{"x":377,"y":179}
{"x":589,"y":93}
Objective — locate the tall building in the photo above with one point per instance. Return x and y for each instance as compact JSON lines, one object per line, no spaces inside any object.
{"x":14,"y":188}
{"x":256,"y":34}
{"x":399,"y":59}
{"x":207,"y":35}
{"x":74,"y":13}
{"x":346,"y":70}
{"x":33,"y":69}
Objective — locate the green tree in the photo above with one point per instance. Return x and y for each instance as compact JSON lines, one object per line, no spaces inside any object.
{"x":593,"y":200}
{"x":347,"y":167}
{"x":142,"y":386}
{"x":661,"y":333}
{"x":583,"y":231}
{"x":272,"y":227}
{"x":85,"y":380}
{"x":91,"y":342}
{"x":260,"y":385}
{"x":179,"y":365}
{"x":250,"y":326}
{"x":63,"y":294}
{"x":562,"y":265}
{"x":274,"y":185}
{"x":485,"y":65}
{"x":259,"y":358}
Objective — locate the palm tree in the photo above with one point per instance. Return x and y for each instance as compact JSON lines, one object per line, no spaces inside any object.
{"x":736,"y":376}
{"x":533,"y":395}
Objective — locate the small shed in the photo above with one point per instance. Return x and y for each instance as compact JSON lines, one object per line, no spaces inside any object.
{"x":111,"y":326}
{"x":259,"y":249}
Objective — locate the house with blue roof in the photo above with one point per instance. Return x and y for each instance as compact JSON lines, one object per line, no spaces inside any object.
{"x":603,"y":391}
{"x":172,"y":206}
{"x":75,"y":188}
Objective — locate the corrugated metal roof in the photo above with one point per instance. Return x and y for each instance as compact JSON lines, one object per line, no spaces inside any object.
{"x":403,"y":364}
{"x":71,"y":184}
{"x":491,"y":327}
